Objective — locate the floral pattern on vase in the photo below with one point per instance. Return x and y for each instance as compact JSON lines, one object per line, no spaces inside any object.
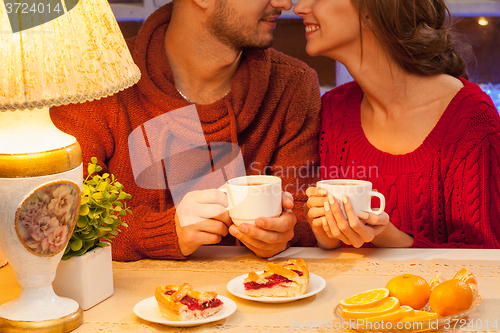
{"x":45,"y":220}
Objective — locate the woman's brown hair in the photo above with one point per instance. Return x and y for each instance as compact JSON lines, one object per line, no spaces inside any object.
{"x":416,"y":35}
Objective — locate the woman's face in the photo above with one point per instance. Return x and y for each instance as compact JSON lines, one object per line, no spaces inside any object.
{"x":332,"y":27}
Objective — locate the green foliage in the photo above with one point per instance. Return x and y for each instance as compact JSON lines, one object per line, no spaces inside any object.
{"x":101,"y":210}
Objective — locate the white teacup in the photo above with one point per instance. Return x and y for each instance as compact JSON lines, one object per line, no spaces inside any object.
{"x":251,"y":197}
{"x":359,"y":193}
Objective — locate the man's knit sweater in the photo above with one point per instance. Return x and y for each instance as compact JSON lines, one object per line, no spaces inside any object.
{"x":272,"y":113}
{"x":446,"y":193}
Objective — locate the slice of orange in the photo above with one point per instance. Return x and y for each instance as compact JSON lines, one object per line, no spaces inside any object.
{"x":421,"y":316}
{"x":393,"y":316}
{"x":365,"y":299}
{"x":387,"y":305}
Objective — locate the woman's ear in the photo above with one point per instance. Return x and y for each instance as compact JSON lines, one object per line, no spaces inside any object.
{"x":366,"y":21}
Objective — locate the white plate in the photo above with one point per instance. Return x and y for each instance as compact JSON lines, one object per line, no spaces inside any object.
{"x":236,"y":287}
{"x":148,"y":310}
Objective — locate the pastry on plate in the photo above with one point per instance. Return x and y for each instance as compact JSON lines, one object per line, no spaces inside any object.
{"x":182,"y":303}
{"x":286,"y":279}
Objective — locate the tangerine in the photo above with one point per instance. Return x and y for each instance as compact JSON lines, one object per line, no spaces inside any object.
{"x":450,"y":297}
{"x":411,"y":290}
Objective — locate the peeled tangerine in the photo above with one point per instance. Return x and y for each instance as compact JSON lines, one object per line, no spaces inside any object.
{"x":436,"y":280}
{"x":466,"y":276}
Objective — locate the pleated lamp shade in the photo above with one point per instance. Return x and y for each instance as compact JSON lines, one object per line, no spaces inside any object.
{"x":61,"y":53}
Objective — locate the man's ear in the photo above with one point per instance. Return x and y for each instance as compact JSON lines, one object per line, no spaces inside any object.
{"x":205,"y":4}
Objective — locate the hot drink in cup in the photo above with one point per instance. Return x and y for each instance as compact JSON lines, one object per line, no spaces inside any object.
{"x":359,"y":193}
{"x":251,"y":197}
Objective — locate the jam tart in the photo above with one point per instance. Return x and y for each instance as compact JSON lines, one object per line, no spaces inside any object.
{"x":286,"y":279}
{"x":182,"y":303}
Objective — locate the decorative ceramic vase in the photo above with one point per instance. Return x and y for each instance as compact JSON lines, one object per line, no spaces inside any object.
{"x":88,"y":279}
{"x":37,"y":217}
{"x":41,"y":178}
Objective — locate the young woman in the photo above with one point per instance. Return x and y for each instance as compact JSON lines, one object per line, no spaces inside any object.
{"x":410,"y":123}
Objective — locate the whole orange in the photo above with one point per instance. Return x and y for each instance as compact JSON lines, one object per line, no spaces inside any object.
{"x":411,"y":290}
{"x":451,"y":297}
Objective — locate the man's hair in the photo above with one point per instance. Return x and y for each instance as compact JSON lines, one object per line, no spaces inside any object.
{"x":416,"y":35}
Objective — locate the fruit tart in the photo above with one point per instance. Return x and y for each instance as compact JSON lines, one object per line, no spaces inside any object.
{"x":182,"y":303}
{"x":286,"y":279}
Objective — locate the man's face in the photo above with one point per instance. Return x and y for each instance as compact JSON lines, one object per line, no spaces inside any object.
{"x":243,"y":24}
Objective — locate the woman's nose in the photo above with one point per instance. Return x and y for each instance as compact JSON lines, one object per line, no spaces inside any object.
{"x":302,"y":7}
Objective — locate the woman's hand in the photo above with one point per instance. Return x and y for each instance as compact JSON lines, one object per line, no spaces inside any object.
{"x":355,"y":230}
{"x":315,"y":216}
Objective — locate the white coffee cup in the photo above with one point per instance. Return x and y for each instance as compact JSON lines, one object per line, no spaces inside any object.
{"x":251,"y":197}
{"x":359,"y":193}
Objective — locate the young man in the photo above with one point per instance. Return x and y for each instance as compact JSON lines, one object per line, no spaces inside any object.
{"x":215,"y":54}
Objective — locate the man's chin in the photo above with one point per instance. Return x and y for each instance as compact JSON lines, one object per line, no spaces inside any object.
{"x":261,"y":45}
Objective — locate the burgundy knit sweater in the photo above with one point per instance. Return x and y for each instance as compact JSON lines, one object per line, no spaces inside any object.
{"x":446,"y":193}
{"x":272,"y":113}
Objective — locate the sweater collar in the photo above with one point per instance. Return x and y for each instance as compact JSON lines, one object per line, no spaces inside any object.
{"x":404,"y":162}
{"x":157,"y":86}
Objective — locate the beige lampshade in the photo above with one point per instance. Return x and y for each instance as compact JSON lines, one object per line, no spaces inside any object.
{"x":78,"y":56}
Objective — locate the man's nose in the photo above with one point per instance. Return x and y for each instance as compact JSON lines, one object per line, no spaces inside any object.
{"x":281,"y":4}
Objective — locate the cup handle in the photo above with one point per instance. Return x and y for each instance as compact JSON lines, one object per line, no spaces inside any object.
{"x":382,"y":202}
{"x":230,"y":202}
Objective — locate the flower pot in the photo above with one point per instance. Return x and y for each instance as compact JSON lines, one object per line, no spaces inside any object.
{"x":88,"y":279}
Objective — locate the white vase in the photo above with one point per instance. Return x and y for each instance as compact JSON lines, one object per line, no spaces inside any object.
{"x":25,"y":202}
{"x":88,"y":279}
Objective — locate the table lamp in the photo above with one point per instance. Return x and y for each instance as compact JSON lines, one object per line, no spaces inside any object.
{"x":53,"y":52}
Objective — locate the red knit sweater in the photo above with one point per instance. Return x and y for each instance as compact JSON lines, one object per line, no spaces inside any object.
{"x":272,"y":113}
{"x":446,"y":193}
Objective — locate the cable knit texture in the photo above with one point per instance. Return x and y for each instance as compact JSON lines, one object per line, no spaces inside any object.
{"x":273,"y":112}
{"x":446,"y":193}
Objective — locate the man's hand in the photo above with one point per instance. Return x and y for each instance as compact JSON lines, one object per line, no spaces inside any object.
{"x":201,"y":218}
{"x":269,"y":235}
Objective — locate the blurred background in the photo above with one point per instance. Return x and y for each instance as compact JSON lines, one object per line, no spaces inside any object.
{"x":477,"y":20}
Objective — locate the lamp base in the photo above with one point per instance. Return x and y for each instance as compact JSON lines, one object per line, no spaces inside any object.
{"x":60,"y":325}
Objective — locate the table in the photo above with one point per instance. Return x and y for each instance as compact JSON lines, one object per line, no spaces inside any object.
{"x":346,"y":271}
